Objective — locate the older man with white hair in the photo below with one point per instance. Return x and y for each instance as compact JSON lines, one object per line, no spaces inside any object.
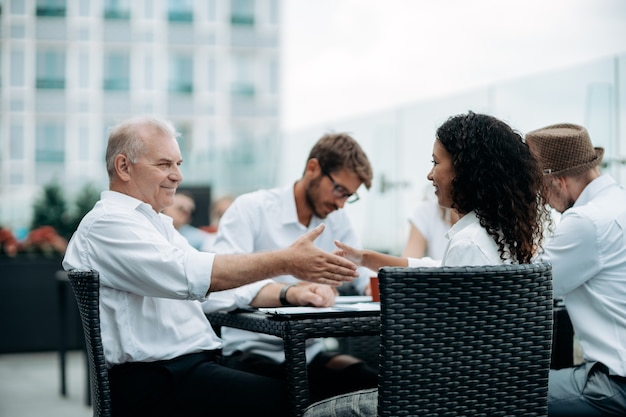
{"x":160,"y":350}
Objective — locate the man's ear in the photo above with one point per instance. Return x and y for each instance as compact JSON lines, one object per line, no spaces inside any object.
{"x":563,"y":183}
{"x":313,"y":168}
{"x":122,"y":167}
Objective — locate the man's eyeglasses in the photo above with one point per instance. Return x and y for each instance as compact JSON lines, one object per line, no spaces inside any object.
{"x":340,"y":191}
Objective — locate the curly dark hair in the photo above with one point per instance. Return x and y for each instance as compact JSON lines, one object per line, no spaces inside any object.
{"x":497,"y":177}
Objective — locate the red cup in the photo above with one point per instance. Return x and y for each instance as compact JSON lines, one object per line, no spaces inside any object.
{"x":374,"y":289}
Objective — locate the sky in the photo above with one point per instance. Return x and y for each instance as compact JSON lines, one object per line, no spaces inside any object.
{"x":343,"y":58}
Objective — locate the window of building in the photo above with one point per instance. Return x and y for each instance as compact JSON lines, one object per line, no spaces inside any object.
{"x":50,"y":69}
{"x":212,"y":75}
{"x":211,"y":9}
{"x":17,"y":7}
{"x":17,"y":178}
{"x":50,"y":142}
{"x":83,"y":69}
{"x":16,"y":142}
{"x":273,"y":76}
{"x":117,"y":9}
{"x":181,"y":73}
{"x":18,"y":31}
{"x":54,"y":8}
{"x":243,"y":76}
{"x":84,"y":8}
{"x":48,"y":172}
{"x":116,"y":71}
{"x":16,"y":76}
{"x":180,"y":10}
{"x":242,"y":12}
{"x":273,"y":12}
{"x":83,"y":143}
{"x":148,"y":10}
{"x":148,"y":72}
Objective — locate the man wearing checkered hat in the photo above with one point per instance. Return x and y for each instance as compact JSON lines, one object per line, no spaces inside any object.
{"x":588,"y":256}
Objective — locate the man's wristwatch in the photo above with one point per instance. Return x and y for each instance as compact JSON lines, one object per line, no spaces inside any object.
{"x":283,"y":295}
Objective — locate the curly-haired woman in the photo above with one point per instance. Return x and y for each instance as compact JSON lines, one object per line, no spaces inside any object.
{"x":483,"y":170}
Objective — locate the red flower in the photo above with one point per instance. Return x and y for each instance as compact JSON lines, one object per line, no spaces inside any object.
{"x":45,"y":239}
{"x":8,"y":243}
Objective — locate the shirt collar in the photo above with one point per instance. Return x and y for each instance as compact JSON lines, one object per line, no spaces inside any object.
{"x":121,"y":199}
{"x":289,"y":213}
{"x":128,"y":202}
{"x":463,"y":222}
{"x":594,"y":188}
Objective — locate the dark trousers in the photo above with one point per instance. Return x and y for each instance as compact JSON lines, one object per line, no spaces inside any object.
{"x":194,"y":385}
{"x":323,"y":381}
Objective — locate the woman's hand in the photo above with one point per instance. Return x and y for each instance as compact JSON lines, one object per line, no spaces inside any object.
{"x":350,"y":253}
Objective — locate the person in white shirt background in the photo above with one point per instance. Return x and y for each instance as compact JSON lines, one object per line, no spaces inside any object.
{"x":485,"y":172}
{"x":216,"y":211}
{"x":588,"y":255}
{"x":181,"y":212}
{"x":428,"y":225}
{"x":270,"y":219}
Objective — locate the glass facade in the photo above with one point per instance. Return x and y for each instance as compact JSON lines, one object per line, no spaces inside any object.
{"x":70,"y":70}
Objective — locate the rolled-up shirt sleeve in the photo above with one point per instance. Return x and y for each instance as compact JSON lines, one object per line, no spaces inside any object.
{"x":133,"y":255}
{"x":240,"y":297}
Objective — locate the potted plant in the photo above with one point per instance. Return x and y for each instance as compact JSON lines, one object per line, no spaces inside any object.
{"x":29,"y":293}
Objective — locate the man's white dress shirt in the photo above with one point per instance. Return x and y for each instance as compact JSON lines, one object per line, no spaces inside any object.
{"x":267,"y":220}
{"x":152,"y":281}
{"x":588,"y":256}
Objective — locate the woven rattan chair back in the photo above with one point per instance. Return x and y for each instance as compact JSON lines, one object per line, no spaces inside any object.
{"x":465,"y":341}
{"x":86,"y":286}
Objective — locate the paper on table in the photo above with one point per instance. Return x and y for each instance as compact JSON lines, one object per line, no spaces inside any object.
{"x":351,"y":299}
{"x":318,"y":310}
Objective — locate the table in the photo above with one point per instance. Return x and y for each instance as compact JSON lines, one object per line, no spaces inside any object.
{"x":294,"y":330}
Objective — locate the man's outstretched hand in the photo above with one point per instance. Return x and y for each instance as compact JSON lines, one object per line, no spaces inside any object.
{"x":308,"y":262}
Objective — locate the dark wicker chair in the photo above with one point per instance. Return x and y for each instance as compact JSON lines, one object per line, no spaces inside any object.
{"x":465,"y":341}
{"x":86,"y":286}
{"x":366,"y":348}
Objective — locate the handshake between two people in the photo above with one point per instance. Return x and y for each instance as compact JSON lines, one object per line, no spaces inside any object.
{"x":321,"y":273}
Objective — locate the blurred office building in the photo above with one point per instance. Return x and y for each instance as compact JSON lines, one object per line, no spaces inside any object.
{"x":69,"y":69}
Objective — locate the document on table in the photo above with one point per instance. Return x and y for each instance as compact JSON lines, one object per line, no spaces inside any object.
{"x":337,"y":308}
{"x":352,"y":299}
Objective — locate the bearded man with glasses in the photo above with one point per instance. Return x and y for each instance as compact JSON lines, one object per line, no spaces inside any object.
{"x":271,"y":219}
